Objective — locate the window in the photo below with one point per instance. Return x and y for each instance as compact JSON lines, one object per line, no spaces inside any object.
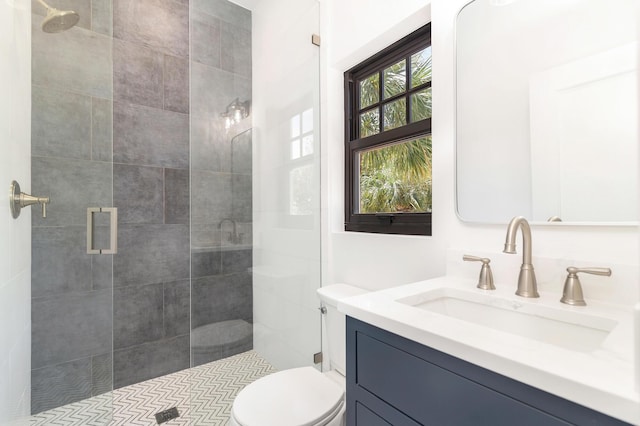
{"x":388,"y":139}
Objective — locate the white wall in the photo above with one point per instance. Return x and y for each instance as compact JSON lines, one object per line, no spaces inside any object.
{"x":379,"y":261}
{"x":15,"y":235}
{"x":286,"y":271}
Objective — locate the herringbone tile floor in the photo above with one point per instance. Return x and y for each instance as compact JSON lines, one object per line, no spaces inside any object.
{"x":203,"y":396}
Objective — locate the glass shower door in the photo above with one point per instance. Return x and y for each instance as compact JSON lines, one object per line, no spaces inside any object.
{"x":71,"y":163}
{"x":286,"y":184}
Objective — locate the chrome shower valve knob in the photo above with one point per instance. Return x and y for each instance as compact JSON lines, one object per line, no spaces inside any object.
{"x":19,"y":199}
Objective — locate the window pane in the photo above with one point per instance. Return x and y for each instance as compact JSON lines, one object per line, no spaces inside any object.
{"x":396,"y":178}
{"x":295,"y":149}
{"x":295,"y":126}
{"x":421,"y":67}
{"x":307,"y":121}
{"x":370,"y":91}
{"x":369,"y":123}
{"x":395,"y":79}
{"x":421,"y":105}
{"x":395,"y":114}
{"x":301,"y":190}
{"x":307,"y":145}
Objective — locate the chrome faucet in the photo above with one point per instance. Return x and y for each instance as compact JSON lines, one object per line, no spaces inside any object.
{"x":527,"y":285}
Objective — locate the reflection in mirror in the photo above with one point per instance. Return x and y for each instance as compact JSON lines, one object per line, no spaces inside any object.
{"x":547,"y":111}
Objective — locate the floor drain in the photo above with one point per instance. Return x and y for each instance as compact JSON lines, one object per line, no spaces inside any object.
{"x":166,"y":415}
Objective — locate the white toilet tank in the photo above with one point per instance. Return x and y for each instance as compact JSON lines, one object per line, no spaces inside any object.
{"x":335,"y":322}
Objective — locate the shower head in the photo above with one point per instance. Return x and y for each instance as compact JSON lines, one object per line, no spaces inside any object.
{"x":58,"y":20}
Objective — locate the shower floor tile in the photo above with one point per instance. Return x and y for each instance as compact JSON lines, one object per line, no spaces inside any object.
{"x":203,"y":396}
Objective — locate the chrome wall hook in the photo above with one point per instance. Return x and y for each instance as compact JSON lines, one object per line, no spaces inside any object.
{"x":19,"y":199}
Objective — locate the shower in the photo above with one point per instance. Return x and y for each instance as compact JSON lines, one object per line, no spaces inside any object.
{"x":58,"y":20}
{"x":179,"y":292}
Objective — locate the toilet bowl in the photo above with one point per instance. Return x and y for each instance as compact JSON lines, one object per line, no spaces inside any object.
{"x":302,"y":396}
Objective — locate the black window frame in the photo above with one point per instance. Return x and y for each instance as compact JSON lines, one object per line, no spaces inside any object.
{"x":386,"y":223}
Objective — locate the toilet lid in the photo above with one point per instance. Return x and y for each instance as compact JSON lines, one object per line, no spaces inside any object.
{"x":299,"y":396}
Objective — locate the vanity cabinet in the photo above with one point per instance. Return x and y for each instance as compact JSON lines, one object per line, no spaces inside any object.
{"x":395,"y":381}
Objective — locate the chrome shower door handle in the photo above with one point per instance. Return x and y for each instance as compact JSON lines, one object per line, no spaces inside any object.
{"x":113,"y":230}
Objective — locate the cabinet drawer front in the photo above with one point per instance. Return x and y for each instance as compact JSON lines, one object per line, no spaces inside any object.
{"x":423,"y":390}
{"x":366,"y":417}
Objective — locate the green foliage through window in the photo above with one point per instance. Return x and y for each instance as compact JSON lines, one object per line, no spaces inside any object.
{"x":396,"y":178}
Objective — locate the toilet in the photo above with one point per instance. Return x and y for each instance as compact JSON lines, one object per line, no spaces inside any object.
{"x":302,"y":396}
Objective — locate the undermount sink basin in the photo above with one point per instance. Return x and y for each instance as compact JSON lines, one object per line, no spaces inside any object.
{"x":559,"y":326}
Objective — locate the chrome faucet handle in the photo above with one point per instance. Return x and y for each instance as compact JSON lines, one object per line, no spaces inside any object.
{"x":485,"y":280}
{"x":572,"y":292}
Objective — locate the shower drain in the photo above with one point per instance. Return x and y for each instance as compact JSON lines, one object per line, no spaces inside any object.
{"x":166,"y":415}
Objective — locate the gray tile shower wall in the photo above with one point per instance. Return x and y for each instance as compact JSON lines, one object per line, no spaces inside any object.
{"x":221,"y":255}
{"x":126,"y":113}
{"x":150,"y":155}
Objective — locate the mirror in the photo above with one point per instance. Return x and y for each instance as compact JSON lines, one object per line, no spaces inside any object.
{"x":547,"y":111}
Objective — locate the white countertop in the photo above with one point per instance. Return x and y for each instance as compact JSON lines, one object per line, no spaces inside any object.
{"x":602,"y":380}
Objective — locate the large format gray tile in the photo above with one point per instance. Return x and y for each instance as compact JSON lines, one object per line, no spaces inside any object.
{"x":176,"y":196}
{"x":57,"y":385}
{"x":137,"y":74}
{"x":211,"y":197}
{"x":82,"y":7}
{"x":236,"y":261}
{"x":101,"y":129}
{"x":204,"y":236}
{"x":177,"y":308}
{"x":137,"y":315}
{"x":235,"y":51}
{"x":205,"y":39}
{"x":241,"y":152}
{"x":221,"y":298}
{"x":76,"y":60}
{"x":242,"y":197}
{"x":212,"y":89}
{"x":150,"y":136}
{"x":225,"y":10}
{"x":205,"y":262}
{"x":151,"y":254}
{"x":69,"y":327}
{"x":72,"y":185}
{"x":160,"y":24}
{"x":60,"y":263}
{"x":138,"y":193}
{"x":176,"y":84}
{"x":242,"y":90}
{"x":101,"y":16}
{"x":210,"y":147}
{"x":102,"y":271}
{"x":150,"y":360}
{"x":60,"y":124}
{"x":101,"y":374}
